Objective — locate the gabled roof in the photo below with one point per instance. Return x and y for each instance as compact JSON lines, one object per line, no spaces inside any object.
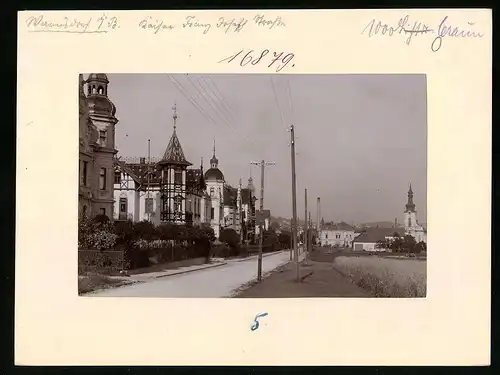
{"x":125,"y":168}
{"x":338,"y":226}
{"x":373,"y":235}
{"x":174,"y":154}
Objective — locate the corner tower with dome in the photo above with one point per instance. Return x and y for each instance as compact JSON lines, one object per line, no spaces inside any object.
{"x":97,"y":146}
{"x":214,"y":179}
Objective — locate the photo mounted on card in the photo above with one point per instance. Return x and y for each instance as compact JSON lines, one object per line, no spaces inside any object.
{"x":156,"y":221}
{"x":232,"y":173}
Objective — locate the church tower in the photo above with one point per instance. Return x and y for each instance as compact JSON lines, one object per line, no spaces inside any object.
{"x":173,"y":180}
{"x":410,"y":212}
{"x":101,"y":112}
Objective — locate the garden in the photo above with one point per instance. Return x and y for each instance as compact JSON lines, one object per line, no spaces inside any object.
{"x":110,"y":248}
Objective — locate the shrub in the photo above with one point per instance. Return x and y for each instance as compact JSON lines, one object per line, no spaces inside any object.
{"x":230,"y":237}
{"x":96,"y":234}
{"x":145,"y":230}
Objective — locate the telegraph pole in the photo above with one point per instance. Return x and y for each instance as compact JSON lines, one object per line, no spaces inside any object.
{"x":306,"y":229}
{"x":263,"y":164}
{"x":294,"y":202}
{"x":309,"y":237}
{"x":149,"y":173}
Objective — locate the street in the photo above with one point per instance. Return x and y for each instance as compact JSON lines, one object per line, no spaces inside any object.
{"x":208,"y":283}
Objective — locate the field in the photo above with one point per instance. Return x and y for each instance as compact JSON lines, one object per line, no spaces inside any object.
{"x":385,"y":277}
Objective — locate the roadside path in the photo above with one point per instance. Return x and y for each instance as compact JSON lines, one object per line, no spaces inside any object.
{"x":206,"y":283}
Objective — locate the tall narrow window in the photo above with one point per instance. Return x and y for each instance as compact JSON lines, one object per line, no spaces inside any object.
{"x":212,"y":213}
{"x":178,"y":177}
{"x":103,"y":211}
{"x":212,"y":191}
{"x":409,"y":221}
{"x":84,"y":173}
{"x":118,"y":177}
{"x":102,"y":138}
{"x":149,"y":205}
{"x":102,"y":179}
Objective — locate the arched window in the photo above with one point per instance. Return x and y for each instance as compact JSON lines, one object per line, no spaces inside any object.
{"x":93,"y":89}
{"x":409,"y":221}
{"x":212,"y":191}
{"x":100,"y":90}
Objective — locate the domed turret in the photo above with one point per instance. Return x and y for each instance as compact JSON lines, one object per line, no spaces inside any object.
{"x":97,"y":95}
{"x":214,"y":173}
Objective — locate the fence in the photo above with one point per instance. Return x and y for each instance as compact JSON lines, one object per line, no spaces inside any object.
{"x":102,"y":261}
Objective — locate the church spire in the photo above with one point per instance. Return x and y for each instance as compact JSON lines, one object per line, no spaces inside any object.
{"x":214,"y":162}
{"x":410,"y":206}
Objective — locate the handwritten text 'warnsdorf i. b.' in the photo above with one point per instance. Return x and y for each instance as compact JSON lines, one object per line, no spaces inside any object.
{"x":72,"y":25}
{"x":408,"y":29}
{"x":222,"y":24}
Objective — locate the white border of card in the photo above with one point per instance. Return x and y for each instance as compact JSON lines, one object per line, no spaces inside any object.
{"x":451,"y":326}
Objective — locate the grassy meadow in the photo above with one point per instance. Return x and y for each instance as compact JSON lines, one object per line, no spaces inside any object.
{"x":386,"y":277}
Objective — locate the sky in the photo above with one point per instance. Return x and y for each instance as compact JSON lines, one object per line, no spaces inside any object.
{"x":360,"y":139}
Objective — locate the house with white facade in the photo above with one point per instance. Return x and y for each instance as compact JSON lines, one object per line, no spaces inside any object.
{"x":368,"y":239}
{"x":337,"y":234}
{"x":169,"y":190}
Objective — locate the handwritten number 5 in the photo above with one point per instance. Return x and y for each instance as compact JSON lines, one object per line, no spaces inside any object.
{"x":256,"y":321}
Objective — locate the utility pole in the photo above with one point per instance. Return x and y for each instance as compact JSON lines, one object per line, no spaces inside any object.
{"x":306,"y":229}
{"x":294,"y":202}
{"x":149,"y":174}
{"x":263,"y":164}
{"x":240,"y":214}
{"x":309,"y":237}
{"x":318,"y":218}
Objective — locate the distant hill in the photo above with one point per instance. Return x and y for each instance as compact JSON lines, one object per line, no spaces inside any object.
{"x":380,"y":224}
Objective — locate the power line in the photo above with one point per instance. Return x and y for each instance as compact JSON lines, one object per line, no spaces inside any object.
{"x":219,"y":95}
{"x":206,"y":101}
{"x":277,"y":102}
{"x":181,"y":89}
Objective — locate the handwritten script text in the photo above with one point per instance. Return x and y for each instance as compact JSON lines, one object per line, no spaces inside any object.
{"x":409,"y":29}
{"x":255,"y":325}
{"x":90,"y":25}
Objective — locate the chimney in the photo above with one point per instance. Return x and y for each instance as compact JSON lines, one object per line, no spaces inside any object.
{"x":142,"y":160}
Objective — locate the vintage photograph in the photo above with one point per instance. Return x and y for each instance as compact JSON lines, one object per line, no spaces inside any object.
{"x":252,"y":185}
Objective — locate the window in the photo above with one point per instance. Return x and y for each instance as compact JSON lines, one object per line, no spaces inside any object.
{"x":178,"y":204}
{"x":84,"y":211}
{"x":102,"y":179}
{"x":409,"y":221}
{"x":123,"y":205}
{"x":102,"y":138}
{"x":118,"y":177}
{"x":100,"y":90}
{"x":212,"y":213}
{"x":149,"y":205}
{"x":212,"y":191}
{"x":103,"y":211}
{"x":326,"y":235}
{"x":178,"y":177}
{"x":84,"y":173}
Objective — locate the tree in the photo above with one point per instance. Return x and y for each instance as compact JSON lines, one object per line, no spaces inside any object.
{"x":230,"y":237}
{"x":408,"y":244}
{"x":274,"y":226}
{"x":420,"y":247}
{"x":383,"y":244}
{"x":285,"y":239}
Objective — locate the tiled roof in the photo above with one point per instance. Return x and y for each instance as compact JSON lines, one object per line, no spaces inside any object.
{"x":174,"y":154}
{"x":373,"y":235}
{"x":338,"y":226}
